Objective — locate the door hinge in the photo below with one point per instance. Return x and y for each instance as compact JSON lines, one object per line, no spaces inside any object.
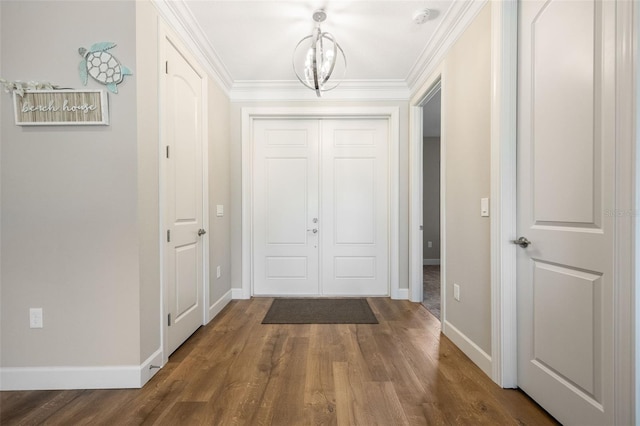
{"x":169,"y":320}
{"x":166,"y":67}
{"x":168,"y":235}
{"x":167,"y":151}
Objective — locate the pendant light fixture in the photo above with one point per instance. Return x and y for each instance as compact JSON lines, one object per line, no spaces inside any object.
{"x":315,"y":66}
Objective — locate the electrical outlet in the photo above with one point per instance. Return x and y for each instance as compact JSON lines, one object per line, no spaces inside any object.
{"x":429,"y":244}
{"x":456,"y":292}
{"x":218,"y":272}
{"x":35,"y":318}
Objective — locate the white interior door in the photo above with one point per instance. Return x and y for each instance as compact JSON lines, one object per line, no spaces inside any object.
{"x":184,"y":197}
{"x":285,"y":201}
{"x":320,"y":207}
{"x":355,"y":213}
{"x":565,"y":186}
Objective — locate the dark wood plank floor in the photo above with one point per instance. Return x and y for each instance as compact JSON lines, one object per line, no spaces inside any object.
{"x":236,"y":371}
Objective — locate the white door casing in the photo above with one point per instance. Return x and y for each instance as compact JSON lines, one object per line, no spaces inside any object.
{"x":566,"y":169}
{"x":252,"y":115}
{"x":183,"y":204}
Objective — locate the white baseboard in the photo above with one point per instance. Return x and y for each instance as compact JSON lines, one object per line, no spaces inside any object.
{"x":150,"y":367}
{"x":220,"y":304}
{"x":470,"y":349}
{"x":430,"y":261}
{"x":400,"y":294}
{"x":238,"y":293}
{"x":57,"y":378}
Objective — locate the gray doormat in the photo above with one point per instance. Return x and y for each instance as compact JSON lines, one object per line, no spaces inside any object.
{"x":320,"y":311}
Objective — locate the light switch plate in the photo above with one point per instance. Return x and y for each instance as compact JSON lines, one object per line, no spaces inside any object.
{"x":35,"y":318}
{"x":219,"y":210}
{"x":484,"y":207}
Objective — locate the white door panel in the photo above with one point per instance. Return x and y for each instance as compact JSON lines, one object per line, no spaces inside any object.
{"x":184,"y":254}
{"x":285,"y":204}
{"x":355,"y":198}
{"x":565,"y":169}
{"x":187,"y":274}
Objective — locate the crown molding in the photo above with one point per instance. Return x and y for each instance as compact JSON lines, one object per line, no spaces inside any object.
{"x":453,"y":24}
{"x":293,"y":90}
{"x":181,"y":20}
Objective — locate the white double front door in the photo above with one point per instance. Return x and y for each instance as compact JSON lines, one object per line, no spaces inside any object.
{"x":321,"y":207}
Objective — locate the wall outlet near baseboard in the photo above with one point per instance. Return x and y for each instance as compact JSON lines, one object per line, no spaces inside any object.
{"x":456,"y":292}
{"x":35,"y":318}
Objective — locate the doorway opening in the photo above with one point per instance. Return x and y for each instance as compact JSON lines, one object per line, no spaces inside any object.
{"x":431,"y":159}
{"x":251,"y":116}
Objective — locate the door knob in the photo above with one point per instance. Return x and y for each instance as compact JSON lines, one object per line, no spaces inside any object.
{"x":201,"y":232}
{"x":314,"y":230}
{"x":522,"y":242}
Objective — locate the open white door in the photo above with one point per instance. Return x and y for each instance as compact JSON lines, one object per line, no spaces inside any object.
{"x":184,"y":197}
{"x":566,"y":153}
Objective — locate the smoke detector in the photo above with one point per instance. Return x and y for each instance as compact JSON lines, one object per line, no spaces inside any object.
{"x":422,"y":16}
{"x":319,"y":15}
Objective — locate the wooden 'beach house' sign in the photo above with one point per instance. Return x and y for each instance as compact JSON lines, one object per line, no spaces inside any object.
{"x":61,"y":107}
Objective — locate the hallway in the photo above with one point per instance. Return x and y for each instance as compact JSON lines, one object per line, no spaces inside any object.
{"x":431,"y":289}
{"x":237,"y":371}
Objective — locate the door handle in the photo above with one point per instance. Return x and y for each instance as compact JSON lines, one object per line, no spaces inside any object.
{"x":314,"y":230}
{"x":201,"y":232}
{"x":522,"y":242}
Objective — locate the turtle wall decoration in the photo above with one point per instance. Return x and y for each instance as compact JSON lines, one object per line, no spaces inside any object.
{"x":102,"y":66}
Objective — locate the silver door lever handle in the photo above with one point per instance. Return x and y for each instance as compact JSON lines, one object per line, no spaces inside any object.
{"x":201,"y":232}
{"x":522,"y":242}
{"x":314,"y":230}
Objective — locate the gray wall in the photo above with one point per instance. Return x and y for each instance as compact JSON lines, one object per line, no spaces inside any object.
{"x":70,"y":226}
{"x":148,"y":176}
{"x":431,"y":198}
{"x":220,"y":227}
{"x":236,"y":177}
{"x":466,"y":143}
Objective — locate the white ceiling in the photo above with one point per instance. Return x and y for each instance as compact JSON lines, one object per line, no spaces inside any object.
{"x":254,"y":40}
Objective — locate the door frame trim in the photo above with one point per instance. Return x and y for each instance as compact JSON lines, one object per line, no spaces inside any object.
{"x":627,"y":227}
{"x":249,"y":114}
{"x":416,"y":177}
{"x":166,"y":33}
{"x":504,"y":100}
{"x":416,"y":203}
